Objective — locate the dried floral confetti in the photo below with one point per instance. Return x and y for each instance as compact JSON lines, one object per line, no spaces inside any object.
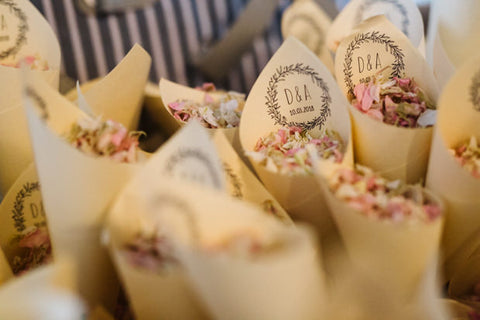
{"x":285,"y":151}
{"x":105,"y":139}
{"x":468,"y":156}
{"x":35,"y":250}
{"x":34,"y":62}
{"x":153,"y":253}
{"x":399,"y":102}
{"x":222,"y":112}
{"x":377,"y":198}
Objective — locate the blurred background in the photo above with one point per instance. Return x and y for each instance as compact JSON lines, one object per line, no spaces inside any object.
{"x":96,"y":34}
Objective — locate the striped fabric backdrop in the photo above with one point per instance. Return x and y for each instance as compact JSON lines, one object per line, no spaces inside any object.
{"x":172,"y":31}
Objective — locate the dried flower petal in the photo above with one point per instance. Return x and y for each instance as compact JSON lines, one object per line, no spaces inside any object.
{"x":224,"y":112}
{"x":104,"y":138}
{"x":400,"y":102}
{"x":468,"y":156}
{"x":285,"y":150}
{"x":380,"y":199}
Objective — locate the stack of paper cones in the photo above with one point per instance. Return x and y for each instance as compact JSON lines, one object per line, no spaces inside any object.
{"x":457,"y":122}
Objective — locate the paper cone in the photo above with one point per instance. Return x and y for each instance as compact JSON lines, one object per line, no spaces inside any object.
{"x":396,"y":255}
{"x":43,"y":294}
{"x":24,"y":32}
{"x":393,"y":152}
{"x":306,"y":21}
{"x":157,"y":111}
{"x":460,"y":256}
{"x":189,"y":156}
{"x":267,"y":109}
{"x":21,"y":212}
{"x":76,"y":190}
{"x":119,"y":95}
{"x":242,"y":183}
{"x":285,"y":283}
{"x":457,"y":121}
{"x":404,"y":14}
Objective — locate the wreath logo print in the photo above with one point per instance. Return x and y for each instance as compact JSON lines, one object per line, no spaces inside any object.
{"x":398,"y":65}
{"x":272,"y":103}
{"x":475,"y":92}
{"x":21,"y":38}
{"x":18,"y":205}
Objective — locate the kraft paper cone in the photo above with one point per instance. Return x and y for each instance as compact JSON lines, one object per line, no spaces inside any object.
{"x":171,"y":92}
{"x":284,"y":283}
{"x":43,"y":294}
{"x":393,"y":152}
{"x":21,"y":212}
{"x":459,"y":257}
{"x":396,"y":255}
{"x":24,"y":32}
{"x":404,"y":14}
{"x":119,"y":95}
{"x":157,"y":111}
{"x":457,"y":121}
{"x":268,"y":108}
{"x":242,"y":183}
{"x":306,"y":21}
{"x":76,"y":190}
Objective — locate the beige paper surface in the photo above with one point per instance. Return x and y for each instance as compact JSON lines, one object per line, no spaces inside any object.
{"x":393,"y":152}
{"x":457,"y":310}
{"x":119,"y":95}
{"x":76,"y":190}
{"x":241,"y":182}
{"x":20,"y":211}
{"x":404,"y":14}
{"x":5,"y":270}
{"x":457,"y":121}
{"x":306,"y":21}
{"x":157,"y":111}
{"x":44,"y":294}
{"x":295,"y":69}
{"x":285,"y":283}
{"x":394,"y":254}
{"x":24,"y":32}
{"x":460,"y":256}
{"x":458,"y":24}
{"x":442,"y":65}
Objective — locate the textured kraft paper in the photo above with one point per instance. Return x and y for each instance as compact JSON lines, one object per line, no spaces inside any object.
{"x":119,"y":95}
{"x":458,"y":120}
{"x":285,"y":283}
{"x":189,"y":156}
{"x":397,"y":256}
{"x":47,"y":293}
{"x":393,"y":152}
{"x":171,"y":92}
{"x":76,"y":190}
{"x":306,"y":21}
{"x":404,"y":14}
{"x":38,"y":38}
{"x":267,"y":109}
{"x":242,"y":183}
{"x":20,"y":211}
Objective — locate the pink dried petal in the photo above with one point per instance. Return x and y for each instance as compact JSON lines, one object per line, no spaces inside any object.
{"x":208,"y":99}
{"x":177,"y":106}
{"x":359,"y":91}
{"x":35,"y":239}
{"x":375,"y":114}
{"x":118,"y":136}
